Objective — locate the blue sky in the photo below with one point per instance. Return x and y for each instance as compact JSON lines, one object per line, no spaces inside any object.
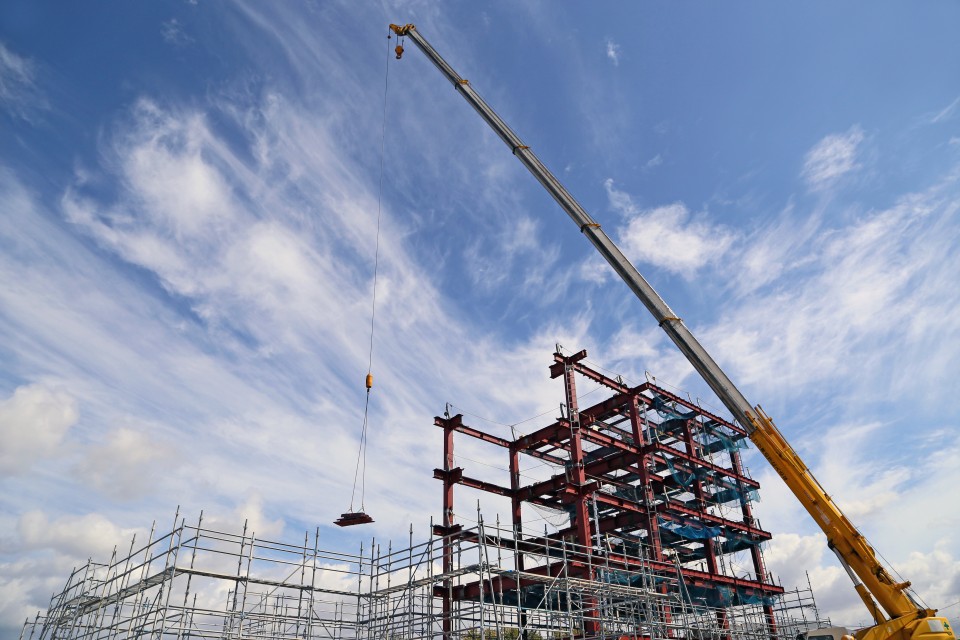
{"x":189,"y":202}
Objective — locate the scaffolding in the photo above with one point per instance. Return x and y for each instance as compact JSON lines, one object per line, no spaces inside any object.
{"x":656,"y":506}
{"x":200,"y":582}
{"x":649,"y":481}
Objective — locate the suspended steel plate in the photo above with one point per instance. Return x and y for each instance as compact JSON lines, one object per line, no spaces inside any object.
{"x":352,"y":518}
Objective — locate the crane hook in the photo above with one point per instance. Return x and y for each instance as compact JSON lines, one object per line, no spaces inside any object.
{"x":399,"y":51}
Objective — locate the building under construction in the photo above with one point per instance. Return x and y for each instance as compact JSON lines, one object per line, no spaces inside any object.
{"x":656,"y":540}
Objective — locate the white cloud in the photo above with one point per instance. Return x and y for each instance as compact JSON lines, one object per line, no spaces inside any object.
{"x":515,"y":258}
{"x":790,"y":555}
{"x":176,"y":185}
{"x":595,"y":269}
{"x":18,"y":90}
{"x":653,"y":162}
{"x":180,"y":218}
{"x":613,"y":52}
{"x":935,"y":576}
{"x":832,"y":158}
{"x":850,"y":299}
{"x":40,"y":550}
{"x":247,"y":365}
{"x":666,"y":237}
{"x":251,"y":512}
{"x":774,"y":251}
{"x":173,"y":32}
{"x":33,"y":424}
{"x":88,"y":535}
{"x":127,"y":464}
{"x":864,"y":489}
{"x":946,"y":113}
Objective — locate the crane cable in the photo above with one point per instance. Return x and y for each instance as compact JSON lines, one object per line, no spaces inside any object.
{"x":362,"y":452}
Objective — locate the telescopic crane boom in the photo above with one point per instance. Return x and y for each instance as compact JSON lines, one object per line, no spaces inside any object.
{"x":896,"y":614}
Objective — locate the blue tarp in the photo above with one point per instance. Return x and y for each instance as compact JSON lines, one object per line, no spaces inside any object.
{"x":689,"y":529}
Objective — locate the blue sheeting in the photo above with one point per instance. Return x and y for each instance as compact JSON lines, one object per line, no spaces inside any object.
{"x":736,"y":542}
{"x":714,"y":437}
{"x":722,"y":596}
{"x":689,"y":529}
{"x":684,"y":478}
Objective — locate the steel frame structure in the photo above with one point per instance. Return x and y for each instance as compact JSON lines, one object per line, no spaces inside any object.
{"x":658,"y":501}
{"x":644,"y":469}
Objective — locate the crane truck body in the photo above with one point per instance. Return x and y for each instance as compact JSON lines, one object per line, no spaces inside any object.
{"x":895,"y":612}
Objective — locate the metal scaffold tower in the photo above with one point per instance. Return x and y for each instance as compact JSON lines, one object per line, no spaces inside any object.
{"x":200,"y":582}
{"x":656,"y":516}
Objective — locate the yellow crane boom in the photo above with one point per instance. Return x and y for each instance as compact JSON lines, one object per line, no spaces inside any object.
{"x":896,"y":614}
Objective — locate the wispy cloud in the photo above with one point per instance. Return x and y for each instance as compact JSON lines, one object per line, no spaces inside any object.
{"x":832,"y":158}
{"x":252,"y":346}
{"x":667,"y":237}
{"x":33,"y":423}
{"x":946,"y":113}
{"x":261,"y":248}
{"x":846,"y":292}
{"x":19,"y":94}
{"x":653,"y":162}
{"x":613,"y":52}
{"x":173,"y":32}
{"x":128,"y":463}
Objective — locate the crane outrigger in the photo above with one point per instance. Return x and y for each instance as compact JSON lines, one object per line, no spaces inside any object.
{"x":896,"y":614}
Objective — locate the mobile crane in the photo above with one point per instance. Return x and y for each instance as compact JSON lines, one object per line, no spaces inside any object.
{"x":896,"y":614}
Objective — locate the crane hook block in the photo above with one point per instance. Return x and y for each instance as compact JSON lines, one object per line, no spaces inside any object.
{"x":399,"y":51}
{"x":369,"y":381}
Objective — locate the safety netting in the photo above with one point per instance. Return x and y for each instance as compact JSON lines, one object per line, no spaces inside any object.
{"x":689,"y":529}
{"x":713,"y":435}
{"x":725,"y":489}
{"x":717,"y":596}
{"x":734,"y":541}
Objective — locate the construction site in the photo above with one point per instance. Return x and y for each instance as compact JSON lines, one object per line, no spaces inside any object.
{"x":647,"y":532}
{"x":658,"y":541}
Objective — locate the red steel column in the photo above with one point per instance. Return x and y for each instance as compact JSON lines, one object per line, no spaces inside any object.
{"x":517,"y":514}
{"x":710,"y":555}
{"x":515,"y":501}
{"x":577,"y":476}
{"x":448,"y":484}
{"x":643,"y":470}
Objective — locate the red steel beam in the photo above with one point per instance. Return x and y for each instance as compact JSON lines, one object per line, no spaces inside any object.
{"x":456,"y":423}
{"x":667,"y":508}
{"x":581,"y":564}
{"x":598,"y":377}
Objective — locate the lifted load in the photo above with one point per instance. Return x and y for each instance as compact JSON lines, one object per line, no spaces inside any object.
{"x":352,"y":518}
